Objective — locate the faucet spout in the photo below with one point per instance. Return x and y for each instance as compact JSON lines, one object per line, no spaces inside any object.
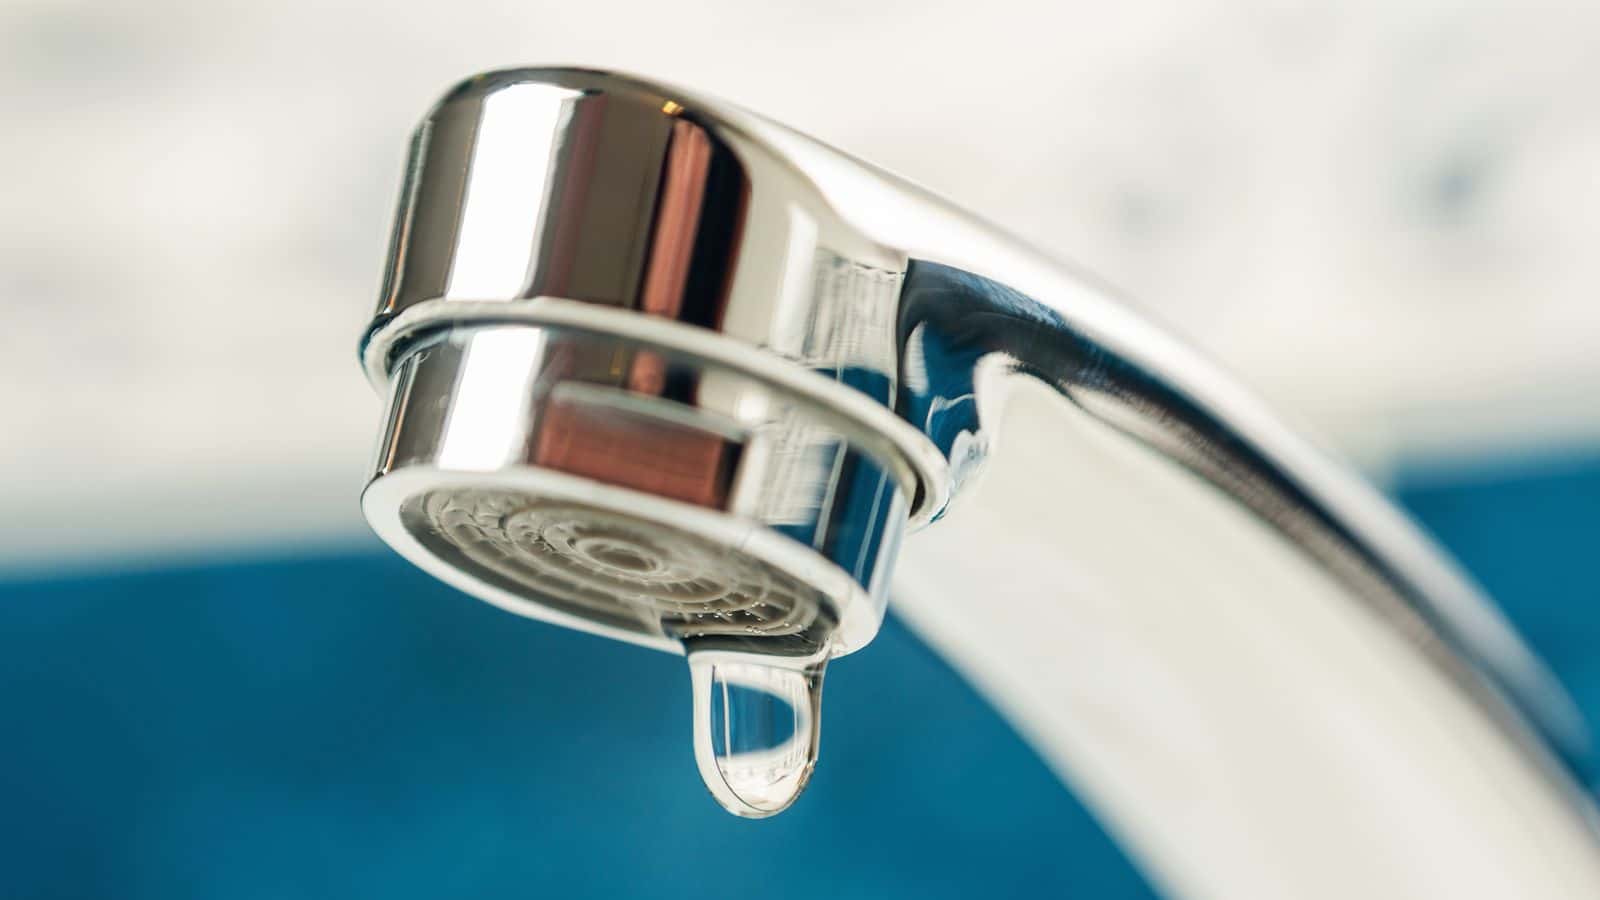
{"x":660,"y":369}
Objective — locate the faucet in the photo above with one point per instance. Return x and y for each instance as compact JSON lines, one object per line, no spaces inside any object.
{"x":662,"y":370}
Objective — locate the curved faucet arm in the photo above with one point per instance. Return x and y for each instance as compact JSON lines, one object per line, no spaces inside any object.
{"x":662,"y":369}
{"x":1263,"y":677}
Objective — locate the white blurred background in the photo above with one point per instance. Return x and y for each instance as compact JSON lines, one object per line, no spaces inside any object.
{"x":1380,"y":215}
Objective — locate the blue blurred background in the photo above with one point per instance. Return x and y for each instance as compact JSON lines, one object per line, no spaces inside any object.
{"x":340,"y":725}
{"x":214,"y":683}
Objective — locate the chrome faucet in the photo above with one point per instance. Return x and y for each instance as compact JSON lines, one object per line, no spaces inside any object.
{"x":662,"y":370}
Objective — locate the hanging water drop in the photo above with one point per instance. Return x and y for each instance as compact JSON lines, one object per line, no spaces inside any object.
{"x":756,"y":727}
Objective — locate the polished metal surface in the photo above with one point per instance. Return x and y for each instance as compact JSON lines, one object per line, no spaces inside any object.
{"x":651,"y":358}
{"x":564,"y":186}
{"x":636,"y":492}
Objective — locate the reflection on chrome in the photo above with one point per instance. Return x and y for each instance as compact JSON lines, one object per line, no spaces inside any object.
{"x":662,"y":370}
{"x":502,"y":208}
{"x":496,"y":362}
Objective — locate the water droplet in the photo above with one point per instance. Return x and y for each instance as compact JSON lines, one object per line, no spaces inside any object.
{"x":756,"y":725}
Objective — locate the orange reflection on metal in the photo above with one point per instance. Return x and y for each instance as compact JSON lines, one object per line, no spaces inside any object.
{"x":634,"y":450}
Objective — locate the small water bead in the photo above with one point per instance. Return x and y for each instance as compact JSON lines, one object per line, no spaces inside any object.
{"x":757,"y":722}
